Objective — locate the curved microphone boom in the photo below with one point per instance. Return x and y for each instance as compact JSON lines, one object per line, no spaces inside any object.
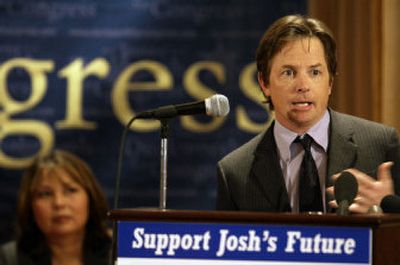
{"x":215,"y":106}
{"x":346,"y":188}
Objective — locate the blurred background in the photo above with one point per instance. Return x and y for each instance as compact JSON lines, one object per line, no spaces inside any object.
{"x":72,"y":73}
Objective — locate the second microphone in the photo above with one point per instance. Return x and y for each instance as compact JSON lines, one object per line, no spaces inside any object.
{"x":215,"y":106}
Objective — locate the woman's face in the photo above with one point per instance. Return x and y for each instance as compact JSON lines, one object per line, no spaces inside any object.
{"x":60,"y":205}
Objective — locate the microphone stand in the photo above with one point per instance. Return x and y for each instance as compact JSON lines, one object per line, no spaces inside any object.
{"x":163,"y":162}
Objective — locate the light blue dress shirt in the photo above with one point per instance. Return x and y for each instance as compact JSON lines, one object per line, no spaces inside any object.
{"x":291,"y":155}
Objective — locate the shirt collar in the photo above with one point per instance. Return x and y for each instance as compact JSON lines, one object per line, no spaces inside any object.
{"x":284,"y":137}
{"x":320,"y":131}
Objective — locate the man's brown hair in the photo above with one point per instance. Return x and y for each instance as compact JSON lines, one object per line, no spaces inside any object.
{"x":291,"y":28}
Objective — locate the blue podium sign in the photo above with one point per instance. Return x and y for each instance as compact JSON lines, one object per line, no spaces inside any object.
{"x":207,"y":243}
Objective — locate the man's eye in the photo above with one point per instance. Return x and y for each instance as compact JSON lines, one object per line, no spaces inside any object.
{"x":315,"y":72}
{"x":288,"y":72}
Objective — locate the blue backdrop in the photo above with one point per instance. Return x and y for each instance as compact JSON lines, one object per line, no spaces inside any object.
{"x":73,"y":72}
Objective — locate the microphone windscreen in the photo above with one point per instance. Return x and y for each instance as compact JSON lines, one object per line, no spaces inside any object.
{"x":346,"y":187}
{"x":391,"y":204}
{"x":217,"y":105}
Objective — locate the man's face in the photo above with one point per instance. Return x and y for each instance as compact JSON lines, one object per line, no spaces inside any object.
{"x":299,"y":84}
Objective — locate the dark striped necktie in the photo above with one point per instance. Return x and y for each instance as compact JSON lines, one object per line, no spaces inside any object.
{"x":310,"y":198}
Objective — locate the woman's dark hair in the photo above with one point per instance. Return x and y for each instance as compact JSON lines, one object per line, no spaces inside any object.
{"x":29,"y":236}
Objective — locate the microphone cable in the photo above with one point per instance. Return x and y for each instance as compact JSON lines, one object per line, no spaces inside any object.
{"x":121,"y":153}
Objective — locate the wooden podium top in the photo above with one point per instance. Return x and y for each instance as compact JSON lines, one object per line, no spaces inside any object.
{"x":385,"y":227}
{"x":169,"y":215}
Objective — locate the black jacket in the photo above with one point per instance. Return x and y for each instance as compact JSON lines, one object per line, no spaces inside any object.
{"x":11,"y":255}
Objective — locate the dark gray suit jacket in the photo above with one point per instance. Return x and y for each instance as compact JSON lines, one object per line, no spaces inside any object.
{"x":250,"y":178}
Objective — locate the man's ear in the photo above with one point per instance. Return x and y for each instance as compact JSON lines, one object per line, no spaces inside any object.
{"x":263,"y":85}
{"x":330,"y":85}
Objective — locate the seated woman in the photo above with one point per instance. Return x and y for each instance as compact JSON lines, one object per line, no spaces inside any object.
{"x":61,"y":215}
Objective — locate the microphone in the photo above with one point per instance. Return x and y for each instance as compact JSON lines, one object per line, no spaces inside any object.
{"x":391,"y":204}
{"x":346,"y":188}
{"x":217,"y":105}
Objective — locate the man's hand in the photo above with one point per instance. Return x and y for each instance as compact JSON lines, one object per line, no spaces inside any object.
{"x":370,"y":191}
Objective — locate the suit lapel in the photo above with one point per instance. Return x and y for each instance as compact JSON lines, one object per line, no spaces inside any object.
{"x":342,"y":151}
{"x":267,"y":172}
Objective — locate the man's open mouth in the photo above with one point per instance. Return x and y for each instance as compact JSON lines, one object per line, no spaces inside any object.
{"x":302,"y":104}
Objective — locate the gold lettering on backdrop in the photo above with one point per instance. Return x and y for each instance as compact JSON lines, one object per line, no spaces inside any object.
{"x":199,"y":91}
{"x":76,"y":73}
{"x":249,"y":86}
{"x":36,"y":70}
{"x":124,"y":84}
{"x":39,"y":130}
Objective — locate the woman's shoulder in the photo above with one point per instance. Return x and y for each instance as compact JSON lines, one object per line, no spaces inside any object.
{"x":11,"y":254}
{"x":8,"y":253}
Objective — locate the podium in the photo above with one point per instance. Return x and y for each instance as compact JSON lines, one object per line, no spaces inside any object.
{"x":149,"y":236}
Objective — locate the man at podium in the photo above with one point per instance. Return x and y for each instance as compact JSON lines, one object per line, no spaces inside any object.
{"x":288,"y":167}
